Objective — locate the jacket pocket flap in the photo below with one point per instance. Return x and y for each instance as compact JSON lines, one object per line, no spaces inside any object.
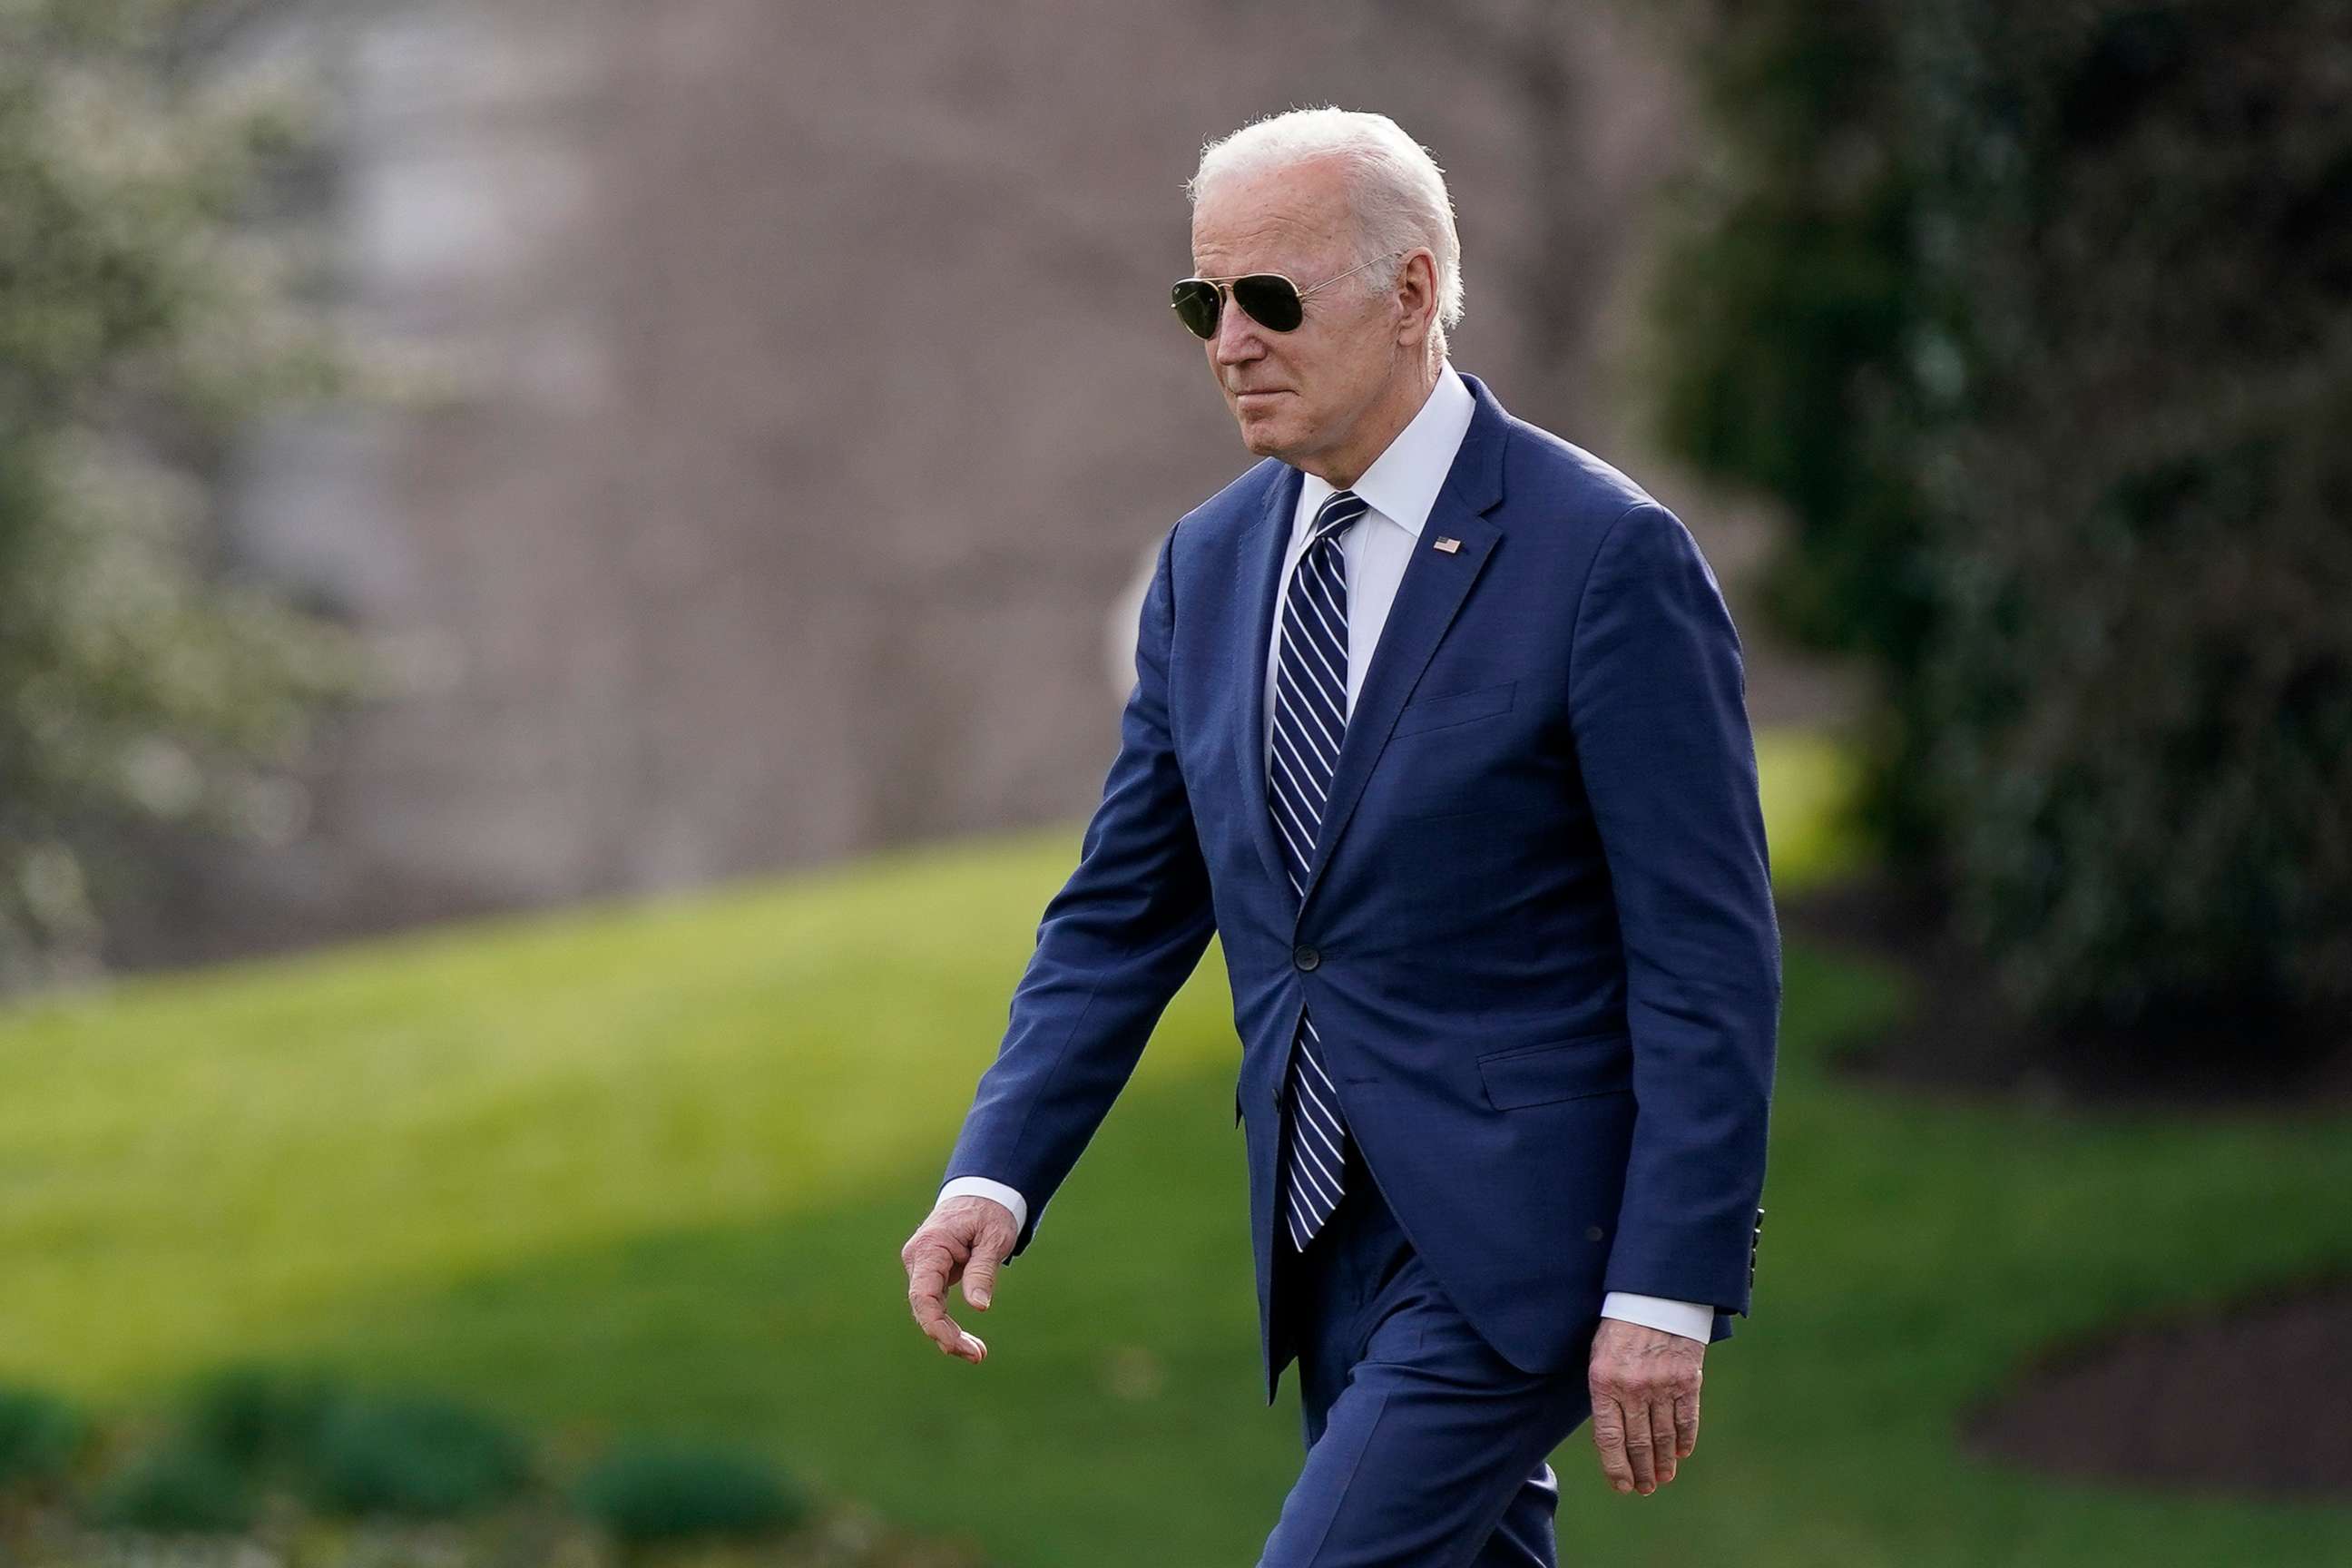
{"x":1558,"y":1069}
{"x":1454,"y":707}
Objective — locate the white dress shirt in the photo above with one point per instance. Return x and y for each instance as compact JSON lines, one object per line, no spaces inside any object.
{"x":1400,"y":488}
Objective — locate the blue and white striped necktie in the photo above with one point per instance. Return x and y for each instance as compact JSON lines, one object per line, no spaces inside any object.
{"x":1310,"y":715}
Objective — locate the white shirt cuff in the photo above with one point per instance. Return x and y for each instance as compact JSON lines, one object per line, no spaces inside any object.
{"x":980,"y":1186}
{"x":1692,"y":1320}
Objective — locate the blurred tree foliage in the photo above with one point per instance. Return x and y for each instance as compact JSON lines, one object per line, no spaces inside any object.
{"x":142,"y":315}
{"x":2039,"y":320}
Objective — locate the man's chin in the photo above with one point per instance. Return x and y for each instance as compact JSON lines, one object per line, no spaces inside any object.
{"x":1264,"y":438}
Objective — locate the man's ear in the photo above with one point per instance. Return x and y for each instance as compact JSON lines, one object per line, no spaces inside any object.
{"x":1417,"y":292}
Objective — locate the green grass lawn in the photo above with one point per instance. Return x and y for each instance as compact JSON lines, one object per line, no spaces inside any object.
{"x":651,"y":1166}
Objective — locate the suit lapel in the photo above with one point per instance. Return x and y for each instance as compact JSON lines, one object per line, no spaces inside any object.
{"x":1436,"y":582}
{"x":1257,"y":573}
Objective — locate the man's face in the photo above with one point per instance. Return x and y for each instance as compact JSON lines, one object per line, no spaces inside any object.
{"x":1301,"y":393}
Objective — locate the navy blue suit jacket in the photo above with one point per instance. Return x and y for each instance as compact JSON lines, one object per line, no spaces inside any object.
{"x":1537,"y":933}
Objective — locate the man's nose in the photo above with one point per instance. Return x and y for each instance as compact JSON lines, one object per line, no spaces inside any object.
{"x":1237,"y":340}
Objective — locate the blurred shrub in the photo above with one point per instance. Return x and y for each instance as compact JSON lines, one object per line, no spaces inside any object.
{"x":255,"y":1417}
{"x":39,"y":1437}
{"x":413,"y":1454}
{"x":142,"y":315}
{"x":655,"y":1489}
{"x":2040,"y":320}
{"x":176,"y":1487}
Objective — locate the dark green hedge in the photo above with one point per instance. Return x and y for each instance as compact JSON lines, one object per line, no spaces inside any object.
{"x":656,"y":1489}
{"x":2039,"y":319}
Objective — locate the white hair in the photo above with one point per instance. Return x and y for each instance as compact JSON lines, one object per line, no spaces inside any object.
{"x":1396,"y":189}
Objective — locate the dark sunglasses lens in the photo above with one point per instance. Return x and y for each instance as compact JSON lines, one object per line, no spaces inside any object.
{"x":1270,"y":301}
{"x":1196,"y":306}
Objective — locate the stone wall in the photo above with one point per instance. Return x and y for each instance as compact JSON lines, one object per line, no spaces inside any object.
{"x":812,"y":400}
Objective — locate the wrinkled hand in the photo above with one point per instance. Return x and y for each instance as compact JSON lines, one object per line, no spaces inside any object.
{"x":1644,"y":1385}
{"x":965,"y":1236}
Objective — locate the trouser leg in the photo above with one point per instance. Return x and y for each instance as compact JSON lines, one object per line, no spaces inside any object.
{"x":1424,"y":1448}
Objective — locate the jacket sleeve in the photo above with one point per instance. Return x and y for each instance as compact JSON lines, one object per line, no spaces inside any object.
{"x":1114,"y":946}
{"x":1658,"y":709}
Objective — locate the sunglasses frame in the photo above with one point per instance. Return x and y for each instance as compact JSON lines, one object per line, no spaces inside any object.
{"x":1224,"y":286}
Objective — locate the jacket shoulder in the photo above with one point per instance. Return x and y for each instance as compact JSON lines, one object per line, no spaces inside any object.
{"x":1566,"y":482}
{"x":1235,"y":507}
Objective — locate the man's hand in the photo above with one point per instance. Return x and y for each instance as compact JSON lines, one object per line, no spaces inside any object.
{"x":966,"y":1236}
{"x":1644,"y":1385}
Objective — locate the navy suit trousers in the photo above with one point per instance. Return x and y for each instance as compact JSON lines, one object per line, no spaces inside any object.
{"x":1424,"y":1448}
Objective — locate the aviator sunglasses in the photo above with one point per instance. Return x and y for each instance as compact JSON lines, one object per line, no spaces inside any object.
{"x":1269,"y":299}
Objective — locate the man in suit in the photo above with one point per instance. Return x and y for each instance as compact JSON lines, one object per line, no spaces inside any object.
{"x":1439,"y":721}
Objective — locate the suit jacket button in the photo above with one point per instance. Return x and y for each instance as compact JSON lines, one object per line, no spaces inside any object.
{"x":1593,"y":1232}
{"x":1305,"y":957}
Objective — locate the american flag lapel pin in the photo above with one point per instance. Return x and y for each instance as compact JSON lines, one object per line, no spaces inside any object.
{"x":1448,"y":544}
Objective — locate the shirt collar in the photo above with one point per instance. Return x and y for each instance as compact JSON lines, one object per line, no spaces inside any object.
{"x":1402,"y":482}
